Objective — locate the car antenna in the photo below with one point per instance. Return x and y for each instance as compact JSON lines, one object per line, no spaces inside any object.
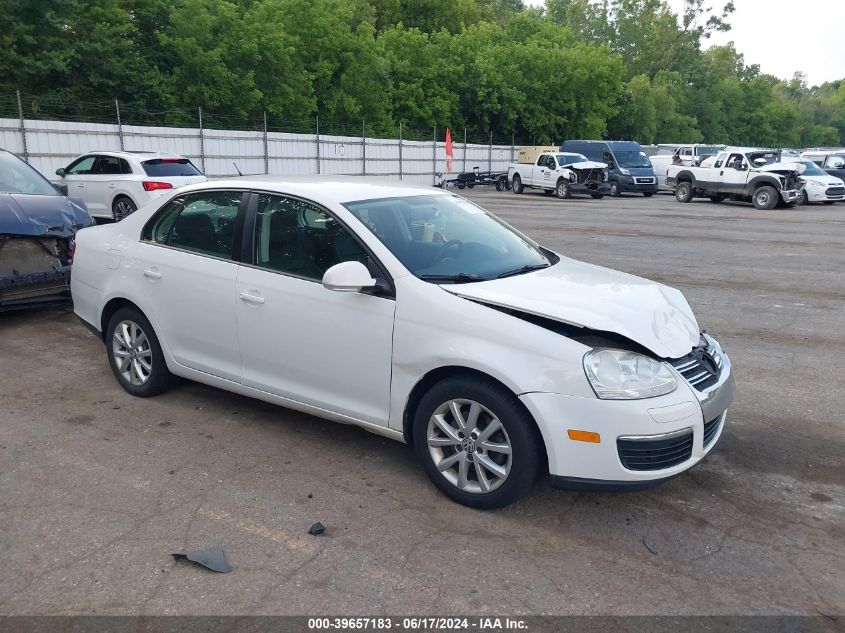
{"x":236,"y":168}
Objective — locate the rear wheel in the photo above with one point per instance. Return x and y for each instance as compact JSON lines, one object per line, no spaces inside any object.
{"x":135,"y":355}
{"x":122,"y":207}
{"x":683,"y":191}
{"x":517,"y":184}
{"x":500,"y":184}
{"x":765,"y":198}
{"x":476,"y":443}
{"x":717,"y":199}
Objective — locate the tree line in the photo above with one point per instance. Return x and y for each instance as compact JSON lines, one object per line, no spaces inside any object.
{"x":571,"y":69}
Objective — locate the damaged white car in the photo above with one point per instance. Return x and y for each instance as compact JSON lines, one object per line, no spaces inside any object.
{"x":415,"y":314}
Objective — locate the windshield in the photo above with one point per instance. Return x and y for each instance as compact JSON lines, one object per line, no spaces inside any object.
{"x":812,"y":169}
{"x":631,"y":158}
{"x":447,"y":239}
{"x":18,"y":177}
{"x":164,"y":167}
{"x":568,"y":159}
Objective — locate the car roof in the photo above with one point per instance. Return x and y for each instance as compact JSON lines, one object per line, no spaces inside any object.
{"x":336,"y":189}
{"x":137,"y":155}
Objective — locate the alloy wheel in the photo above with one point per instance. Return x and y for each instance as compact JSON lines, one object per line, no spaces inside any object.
{"x":469,"y":446}
{"x":132,"y":353}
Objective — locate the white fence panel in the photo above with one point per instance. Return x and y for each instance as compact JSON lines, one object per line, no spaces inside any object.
{"x":53,"y":144}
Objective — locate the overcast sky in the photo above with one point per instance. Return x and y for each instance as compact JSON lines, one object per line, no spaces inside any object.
{"x":784,"y":36}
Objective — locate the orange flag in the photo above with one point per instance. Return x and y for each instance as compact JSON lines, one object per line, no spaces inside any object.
{"x":449,"y":154}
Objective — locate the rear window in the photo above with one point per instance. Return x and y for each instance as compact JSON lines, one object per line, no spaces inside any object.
{"x":164,"y":167}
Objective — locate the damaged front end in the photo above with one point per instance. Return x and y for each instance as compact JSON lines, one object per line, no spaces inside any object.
{"x":37,"y":235}
{"x":590,"y":178}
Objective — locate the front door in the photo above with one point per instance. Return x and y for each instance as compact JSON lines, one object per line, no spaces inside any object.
{"x":76,"y":177}
{"x":734,"y":174}
{"x":187,"y":258}
{"x":298,"y":340}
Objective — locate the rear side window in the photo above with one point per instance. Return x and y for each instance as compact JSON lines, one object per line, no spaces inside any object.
{"x":202,"y":222}
{"x":111,"y":165}
{"x":170,"y":167}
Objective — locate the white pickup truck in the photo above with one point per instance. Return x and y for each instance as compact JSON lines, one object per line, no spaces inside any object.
{"x":747,"y":174}
{"x":561,"y":173}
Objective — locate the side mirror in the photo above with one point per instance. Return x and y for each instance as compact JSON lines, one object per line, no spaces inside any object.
{"x":60,"y":172}
{"x":61,"y":188}
{"x":348,"y":277}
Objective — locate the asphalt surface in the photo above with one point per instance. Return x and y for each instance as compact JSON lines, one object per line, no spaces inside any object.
{"x":98,"y":488}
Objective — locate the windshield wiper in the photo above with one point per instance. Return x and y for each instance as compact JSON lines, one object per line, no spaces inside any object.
{"x":520,"y":271}
{"x":460,"y":278}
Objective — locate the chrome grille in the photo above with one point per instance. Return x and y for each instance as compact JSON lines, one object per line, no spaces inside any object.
{"x":711,"y":428}
{"x":835,"y":192}
{"x":699,"y":369}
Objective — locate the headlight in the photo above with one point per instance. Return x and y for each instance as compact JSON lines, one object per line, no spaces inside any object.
{"x":621,"y":375}
{"x":624,"y":172}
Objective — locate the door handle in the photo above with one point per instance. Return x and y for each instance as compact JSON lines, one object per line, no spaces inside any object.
{"x":245,"y":296}
{"x":152,"y":274}
{"x":111,"y":186}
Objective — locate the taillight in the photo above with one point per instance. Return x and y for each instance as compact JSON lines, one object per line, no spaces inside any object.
{"x":152,"y":185}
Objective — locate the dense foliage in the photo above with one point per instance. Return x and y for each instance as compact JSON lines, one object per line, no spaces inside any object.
{"x":577,"y":68}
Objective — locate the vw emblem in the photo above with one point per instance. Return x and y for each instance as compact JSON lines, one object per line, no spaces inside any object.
{"x":468,"y":444}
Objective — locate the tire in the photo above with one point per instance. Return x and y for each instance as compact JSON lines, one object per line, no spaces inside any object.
{"x":683,"y":191}
{"x":158,"y":379}
{"x":614,"y":189}
{"x":717,"y":199}
{"x":597,"y":196}
{"x":562,"y":189}
{"x":500,"y":185}
{"x":122,"y":206}
{"x":517,"y":184}
{"x":471,"y":185}
{"x":510,"y":476}
{"x":765,"y":198}
{"x":508,"y":185}
{"x":648,"y":194}
{"x":548,"y":192}
{"x":803,"y":198}
{"x":460,"y":186}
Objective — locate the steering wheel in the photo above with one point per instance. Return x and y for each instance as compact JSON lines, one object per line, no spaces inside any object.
{"x":442,"y":250}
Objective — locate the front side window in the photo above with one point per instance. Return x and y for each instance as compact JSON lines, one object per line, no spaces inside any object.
{"x":445,"y":239}
{"x":81,"y":166}
{"x":200,"y":222}
{"x":295,"y":237}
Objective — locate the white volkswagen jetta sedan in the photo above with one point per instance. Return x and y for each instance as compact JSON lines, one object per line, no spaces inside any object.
{"x":415,"y":314}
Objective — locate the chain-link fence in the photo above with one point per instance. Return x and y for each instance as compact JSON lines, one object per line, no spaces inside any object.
{"x":49,"y":132}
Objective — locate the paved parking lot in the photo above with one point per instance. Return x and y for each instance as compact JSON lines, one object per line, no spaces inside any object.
{"x":98,"y":488}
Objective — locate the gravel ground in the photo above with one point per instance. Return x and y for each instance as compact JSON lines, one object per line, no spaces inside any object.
{"x":98,"y":488}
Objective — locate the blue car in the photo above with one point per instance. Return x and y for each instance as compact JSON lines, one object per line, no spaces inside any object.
{"x":38,"y":224}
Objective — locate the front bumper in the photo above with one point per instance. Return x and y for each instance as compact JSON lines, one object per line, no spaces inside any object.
{"x":638,"y":183}
{"x":790,"y":195}
{"x":590,"y":188}
{"x":35,"y":289}
{"x":696,"y":417}
{"x":827,"y":193}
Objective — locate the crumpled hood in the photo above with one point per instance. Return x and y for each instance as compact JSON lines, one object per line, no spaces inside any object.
{"x":47,"y":216}
{"x":791,"y":166}
{"x":587,"y":165}
{"x":655,"y":316}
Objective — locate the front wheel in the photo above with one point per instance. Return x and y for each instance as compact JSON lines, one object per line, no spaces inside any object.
{"x":683,"y":192}
{"x":765,"y":198}
{"x":517,"y":184}
{"x":614,"y":189}
{"x":135,"y":355}
{"x":562,"y":189}
{"x":476,"y":442}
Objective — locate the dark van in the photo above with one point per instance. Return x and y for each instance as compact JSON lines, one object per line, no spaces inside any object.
{"x":629,"y":167}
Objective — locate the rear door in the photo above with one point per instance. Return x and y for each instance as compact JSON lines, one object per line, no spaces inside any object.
{"x":103,"y":182}
{"x":188,"y":260}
